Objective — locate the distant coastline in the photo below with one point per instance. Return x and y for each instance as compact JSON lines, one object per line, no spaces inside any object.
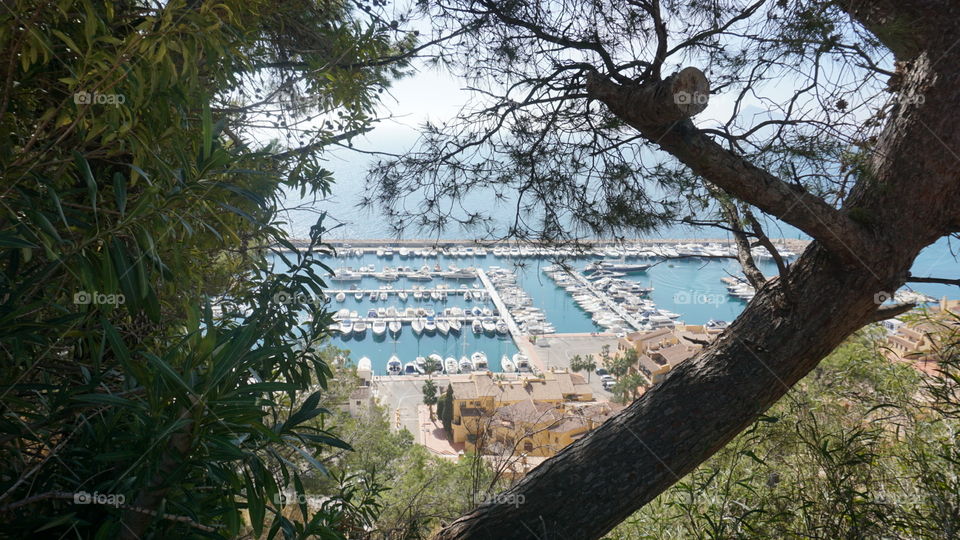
{"x":793,"y":244}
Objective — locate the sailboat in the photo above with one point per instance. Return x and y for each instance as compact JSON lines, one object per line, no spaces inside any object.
{"x":489,"y":326}
{"x":443,"y":327}
{"x":417,"y":326}
{"x":360,"y":328}
{"x":522,"y":363}
{"x":395,"y":327}
{"x":450,"y":366}
{"x":479,"y":361}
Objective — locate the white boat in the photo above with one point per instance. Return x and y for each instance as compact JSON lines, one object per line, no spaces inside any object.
{"x":402,"y":295}
{"x":522,"y":363}
{"x":346,"y":327}
{"x":450,"y":366}
{"x":443,"y":327}
{"x":383,"y":295}
{"x":417,"y":326}
{"x":479,"y":361}
{"x":477,"y":326}
{"x":430,"y":326}
{"x":359,"y":328}
{"x":502,"y":327}
{"x":489,"y":326}
{"x":358,"y":296}
{"x":395,"y":327}
{"x":455,"y":326}
{"x":346,"y":275}
{"x":394,"y":367}
{"x":507,"y":365}
{"x":341,"y":297}
{"x":418,"y":295}
{"x":404,"y":252}
{"x":434,"y":295}
{"x":466,"y":366}
{"x":467,"y":296}
{"x":379,"y":328}
{"x":410,"y":368}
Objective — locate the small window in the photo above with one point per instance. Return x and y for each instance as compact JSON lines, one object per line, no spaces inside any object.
{"x":528,"y":447}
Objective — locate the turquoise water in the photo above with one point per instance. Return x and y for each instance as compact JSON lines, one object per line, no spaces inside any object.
{"x":690,"y":287}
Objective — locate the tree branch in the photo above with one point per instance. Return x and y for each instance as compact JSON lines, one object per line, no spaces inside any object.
{"x":661,"y":111}
{"x":889,"y":312}
{"x":944,"y":281}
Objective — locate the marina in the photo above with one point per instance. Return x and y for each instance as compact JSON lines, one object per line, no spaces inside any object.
{"x":520,"y":296}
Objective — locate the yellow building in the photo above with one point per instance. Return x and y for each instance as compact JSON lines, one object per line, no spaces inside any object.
{"x":917,"y":341}
{"x":532,"y":412}
{"x":660,"y":350}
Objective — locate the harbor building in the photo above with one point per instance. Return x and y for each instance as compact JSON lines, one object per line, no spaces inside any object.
{"x":530,"y":411}
{"x":916,"y":340}
{"x":660,"y":350}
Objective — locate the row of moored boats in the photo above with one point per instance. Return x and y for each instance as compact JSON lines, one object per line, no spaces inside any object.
{"x":423,"y":321}
{"x":629,"y":297}
{"x":690,"y":249}
{"x":434,"y":363}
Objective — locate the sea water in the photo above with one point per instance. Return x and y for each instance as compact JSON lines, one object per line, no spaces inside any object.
{"x":689,"y":287}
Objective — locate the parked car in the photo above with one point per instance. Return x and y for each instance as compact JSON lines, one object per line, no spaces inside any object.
{"x":608,"y":378}
{"x":607,"y":385}
{"x":602,"y":371}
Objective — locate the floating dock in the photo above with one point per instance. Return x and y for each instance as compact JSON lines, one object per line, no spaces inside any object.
{"x":622,"y":313}
{"x":334,"y":292}
{"x":501,"y":307}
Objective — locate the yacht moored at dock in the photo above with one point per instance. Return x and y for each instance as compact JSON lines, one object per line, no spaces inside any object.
{"x":394,"y":366}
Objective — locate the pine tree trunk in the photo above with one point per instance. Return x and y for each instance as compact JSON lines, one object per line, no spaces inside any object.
{"x":909,"y":199}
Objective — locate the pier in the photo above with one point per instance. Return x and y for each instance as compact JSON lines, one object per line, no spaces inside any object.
{"x":501,"y":307}
{"x":334,"y":292}
{"x":622,"y":313}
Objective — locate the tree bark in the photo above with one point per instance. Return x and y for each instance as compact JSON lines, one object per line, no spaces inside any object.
{"x":597,"y":482}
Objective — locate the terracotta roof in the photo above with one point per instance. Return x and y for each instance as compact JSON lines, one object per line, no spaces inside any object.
{"x":675,"y":354}
{"x":529,"y":411}
{"x":553,"y":387}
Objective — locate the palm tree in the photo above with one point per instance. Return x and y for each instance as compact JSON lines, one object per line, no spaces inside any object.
{"x":580,"y":363}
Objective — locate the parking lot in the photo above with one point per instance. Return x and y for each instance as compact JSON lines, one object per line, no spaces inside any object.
{"x":562,"y":347}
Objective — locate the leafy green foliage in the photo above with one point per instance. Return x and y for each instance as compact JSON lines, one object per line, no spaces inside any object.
{"x":446,"y":414}
{"x":583,"y":363}
{"x":155,"y":348}
{"x":859,"y":449}
{"x":430,"y":395}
